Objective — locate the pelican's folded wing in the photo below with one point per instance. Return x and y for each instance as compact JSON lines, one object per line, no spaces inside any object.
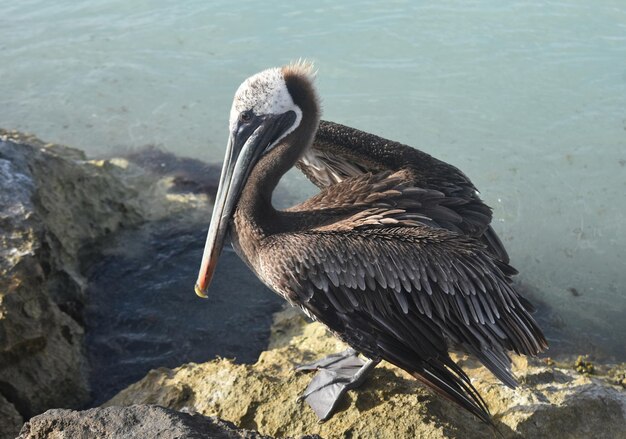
{"x":402,"y":293}
{"x":339,"y":152}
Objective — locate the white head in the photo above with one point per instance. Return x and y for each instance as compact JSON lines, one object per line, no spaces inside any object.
{"x":266,"y":93}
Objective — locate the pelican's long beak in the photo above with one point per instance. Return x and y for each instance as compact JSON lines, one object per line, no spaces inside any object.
{"x":245,"y":146}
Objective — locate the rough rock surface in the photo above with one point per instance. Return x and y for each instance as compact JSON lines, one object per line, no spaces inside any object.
{"x":10,"y":419}
{"x":54,"y":203}
{"x":551,"y":402}
{"x":49,"y":205}
{"x":139,"y":421}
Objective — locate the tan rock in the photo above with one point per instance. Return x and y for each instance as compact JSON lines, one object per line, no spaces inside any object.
{"x":550,"y":402}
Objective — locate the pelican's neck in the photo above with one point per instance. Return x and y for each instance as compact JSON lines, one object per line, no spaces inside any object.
{"x":255,"y":216}
{"x":255,"y":209}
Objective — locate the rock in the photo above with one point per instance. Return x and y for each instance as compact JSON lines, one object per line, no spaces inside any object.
{"x":10,"y":419}
{"x":550,"y":402}
{"x":40,"y":342}
{"x":70,"y":202}
{"x":138,"y":421}
{"x":54,"y":205}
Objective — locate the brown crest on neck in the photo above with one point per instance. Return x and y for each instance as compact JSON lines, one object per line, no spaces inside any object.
{"x":299,"y":79}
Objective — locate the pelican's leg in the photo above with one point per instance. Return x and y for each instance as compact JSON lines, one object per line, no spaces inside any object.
{"x":347,"y":357}
{"x":337,"y":374}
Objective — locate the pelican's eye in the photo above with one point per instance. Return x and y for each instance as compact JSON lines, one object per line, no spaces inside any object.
{"x":245,"y":117}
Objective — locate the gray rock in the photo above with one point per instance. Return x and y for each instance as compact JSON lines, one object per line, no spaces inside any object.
{"x":36,"y":337}
{"x":137,"y":421}
{"x":10,"y":419}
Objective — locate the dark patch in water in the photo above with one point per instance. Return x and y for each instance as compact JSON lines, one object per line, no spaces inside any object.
{"x":574,"y":291}
{"x":142,"y":312}
{"x":189,"y":175}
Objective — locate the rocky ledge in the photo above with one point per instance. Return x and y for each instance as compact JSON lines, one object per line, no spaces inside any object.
{"x":551,"y":401}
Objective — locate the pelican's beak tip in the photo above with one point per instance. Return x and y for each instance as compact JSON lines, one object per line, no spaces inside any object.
{"x":200,"y":292}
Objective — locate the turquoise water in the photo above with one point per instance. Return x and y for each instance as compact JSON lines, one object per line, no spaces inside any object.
{"x":528,"y":98}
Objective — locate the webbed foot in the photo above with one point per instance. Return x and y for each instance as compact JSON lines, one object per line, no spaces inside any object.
{"x":337,"y":374}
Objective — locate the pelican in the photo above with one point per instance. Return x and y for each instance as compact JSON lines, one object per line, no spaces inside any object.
{"x":382,"y":256}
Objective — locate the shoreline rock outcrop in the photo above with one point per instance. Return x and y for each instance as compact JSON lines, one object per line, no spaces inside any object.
{"x":50,"y":205}
{"x":550,"y":402}
{"x":55,"y":204}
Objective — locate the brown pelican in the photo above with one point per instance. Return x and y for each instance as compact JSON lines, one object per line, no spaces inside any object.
{"x":388,"y":266}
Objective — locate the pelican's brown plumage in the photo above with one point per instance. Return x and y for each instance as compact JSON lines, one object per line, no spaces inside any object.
{"x":374,"y":257}
{"x":339,"y":152}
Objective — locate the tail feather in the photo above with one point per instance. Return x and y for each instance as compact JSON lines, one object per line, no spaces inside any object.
{"x":456,"y":389}
{"x":498,"y":363}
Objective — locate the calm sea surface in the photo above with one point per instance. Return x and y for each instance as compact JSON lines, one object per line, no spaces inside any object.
{"x":527,"y":97}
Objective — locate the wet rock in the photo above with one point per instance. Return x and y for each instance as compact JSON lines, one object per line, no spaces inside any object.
{"x":550,"y":402}
{"x":138,"y":421}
